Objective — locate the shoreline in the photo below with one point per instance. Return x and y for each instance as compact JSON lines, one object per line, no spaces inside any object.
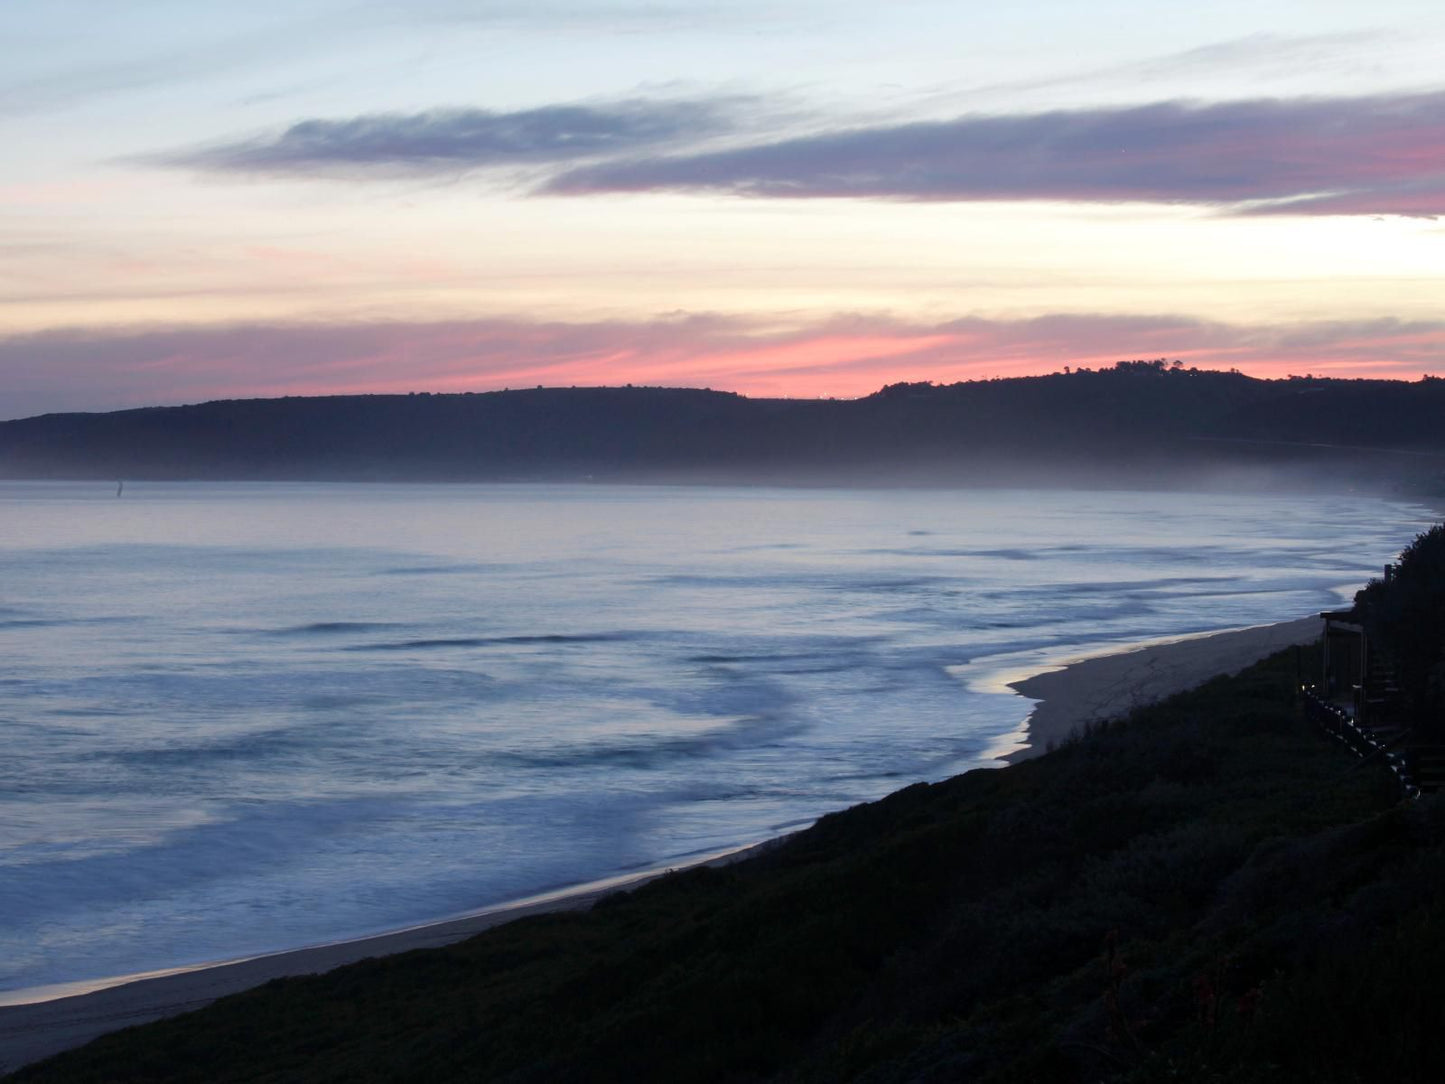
{"x":1089,"y":689}
{"x":68,"y":1015}
{"x":1069,"y":695}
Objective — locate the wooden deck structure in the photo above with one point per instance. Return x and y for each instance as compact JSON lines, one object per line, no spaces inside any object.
{"x":1358,"y":701}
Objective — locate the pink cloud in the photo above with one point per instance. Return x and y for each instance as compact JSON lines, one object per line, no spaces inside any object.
{"x":1371,"y":154}
{"x":845,"y":356}
{"x":1365,"y":155}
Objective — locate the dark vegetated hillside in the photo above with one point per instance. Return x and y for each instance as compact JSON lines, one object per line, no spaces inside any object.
{"x":1209,"y":891}
{"x":1404,"y":614}
{"x":1372,"y":413}
{"x":1141,"y":420}
{"x":438,"y":436}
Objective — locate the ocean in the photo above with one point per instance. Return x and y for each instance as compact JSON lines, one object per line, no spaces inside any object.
{"x":237,"y":718}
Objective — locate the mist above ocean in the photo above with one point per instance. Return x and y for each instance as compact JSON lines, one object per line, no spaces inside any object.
{"x":245,"y":717}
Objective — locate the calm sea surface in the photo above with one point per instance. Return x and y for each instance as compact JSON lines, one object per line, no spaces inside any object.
{"x":238,"y":718}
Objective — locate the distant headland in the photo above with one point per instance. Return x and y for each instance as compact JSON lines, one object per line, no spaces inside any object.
{"x":1137,"y":423}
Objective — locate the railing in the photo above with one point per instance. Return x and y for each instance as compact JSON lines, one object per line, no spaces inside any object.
{"x":1365,"y":742}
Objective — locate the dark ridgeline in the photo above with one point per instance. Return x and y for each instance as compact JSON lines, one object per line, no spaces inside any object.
{"x":1143,"y":422}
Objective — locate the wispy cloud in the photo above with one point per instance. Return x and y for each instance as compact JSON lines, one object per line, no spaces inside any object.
{"x":592,"y":16}
{"x":844,"y":356}
{"x":1256,"y":60}
{"x":1377,"y":154}
{"x":1380,"y":154}
{"x":113,"y":55}
{"x":446,"y":140}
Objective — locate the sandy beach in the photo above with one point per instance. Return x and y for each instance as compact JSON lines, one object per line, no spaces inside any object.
{"x":1091,"y":689}
{"x":74,"y":1014}
{"x":1081,"y":691}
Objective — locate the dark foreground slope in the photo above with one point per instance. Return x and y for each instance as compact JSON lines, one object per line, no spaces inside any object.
{"x":1135,"y":423}
{"x":1211,"y":891}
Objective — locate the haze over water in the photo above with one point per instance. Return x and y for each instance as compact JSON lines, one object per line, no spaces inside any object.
{"x":238,"y":718}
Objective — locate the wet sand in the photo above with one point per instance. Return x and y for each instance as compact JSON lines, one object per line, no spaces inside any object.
{"x":74,"y":1014}
{"x":1101,"y":687}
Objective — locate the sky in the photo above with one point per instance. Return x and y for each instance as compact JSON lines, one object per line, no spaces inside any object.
{"x":204,"y":200}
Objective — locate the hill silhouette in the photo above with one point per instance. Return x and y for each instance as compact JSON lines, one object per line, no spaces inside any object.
{"x":1139,"y":422}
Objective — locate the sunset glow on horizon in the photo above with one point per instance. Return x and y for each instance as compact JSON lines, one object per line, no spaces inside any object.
{"x":800,"y":199}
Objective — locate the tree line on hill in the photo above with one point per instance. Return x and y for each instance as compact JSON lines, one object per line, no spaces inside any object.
{"x":1138,"y":422}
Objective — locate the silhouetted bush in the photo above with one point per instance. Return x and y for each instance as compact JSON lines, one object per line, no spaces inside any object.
{"x":1404,"y":615}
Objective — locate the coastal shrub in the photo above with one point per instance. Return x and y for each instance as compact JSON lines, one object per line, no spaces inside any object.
{"x":1404,"y":615}
{"x":1327,"y":993}
{"x":1169,"y":873}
